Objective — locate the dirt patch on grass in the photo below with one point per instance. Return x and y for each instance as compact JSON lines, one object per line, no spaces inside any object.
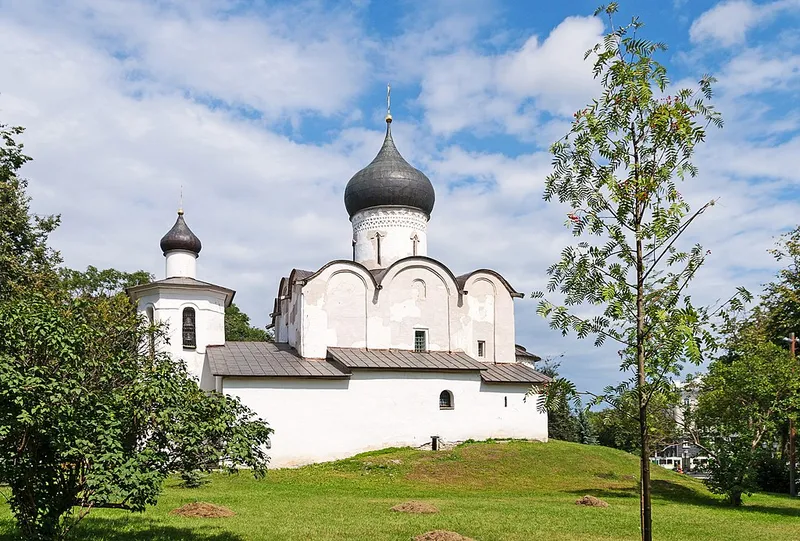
{"x":591,"y":501}
{"x":442,"y":535}
{"x":415,"y":507}
{"x":202,"y":510}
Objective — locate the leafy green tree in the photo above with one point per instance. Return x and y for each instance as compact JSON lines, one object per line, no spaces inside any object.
{"x":26,"y":262}
{"x":585,"y":432}
{"x":617,"y":168}
{"x":561,"y":422}
{"x":745,"y":398}
{"x":89,"y":415}
{"x":89,"y":418}
{"x":95,"y":283}
{"x":781,"y":300}
{"x":618,"y":427}
{"x":238,"y":328}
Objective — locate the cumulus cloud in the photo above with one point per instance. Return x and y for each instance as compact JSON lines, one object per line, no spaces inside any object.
{"x":470,"y":89}
{"x":728,"y":22}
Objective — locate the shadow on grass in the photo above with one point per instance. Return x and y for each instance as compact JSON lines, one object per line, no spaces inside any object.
{"x":676,"y":492}
{"x":133,"y":528}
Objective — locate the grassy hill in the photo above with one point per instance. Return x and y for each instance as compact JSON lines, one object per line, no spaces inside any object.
{"x":487,"y":491}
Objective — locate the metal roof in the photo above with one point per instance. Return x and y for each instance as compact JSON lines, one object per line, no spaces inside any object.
{"x":266,"y":359}
{"x":397,"y":359}
{"x":179,"y":282}
{"x":389,"y":180}
{"x":525,"y":355}
{"x":180,"y":237}
{"x":512,"y":373}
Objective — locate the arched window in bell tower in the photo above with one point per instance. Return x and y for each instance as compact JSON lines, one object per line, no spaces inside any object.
{"x":189,"y":328}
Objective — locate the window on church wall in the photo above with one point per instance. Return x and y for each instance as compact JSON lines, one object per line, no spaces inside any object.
{"x":151,"y":338}
{"x":420,"y":341}
{"x":481,"y":348}
{"x":446,"y":400}
{"x":189,"y":328}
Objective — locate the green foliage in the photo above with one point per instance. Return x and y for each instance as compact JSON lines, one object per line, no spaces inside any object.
{"x":781,"y":301}
{"x":89,"y":419}
{"x":26,"y":262}
{"x":617,"y":169}
{"x":585,"y":433}
{"x":619,"y":427}
{"x":193,"y":479}
{"x":95,"y":283}
{"x":90,"y":416}
{"x":238,"y":329}
{"x":744,"y":400}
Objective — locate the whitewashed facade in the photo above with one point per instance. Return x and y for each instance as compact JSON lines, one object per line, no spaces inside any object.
{"x":423,"y":352}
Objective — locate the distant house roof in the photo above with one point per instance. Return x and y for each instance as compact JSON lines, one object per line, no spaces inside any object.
{"x":513,"y":373}
{"x":396,"y":359}
{"x":180,"y":282}
{"x":266,"y":359}
{"x":525,"y":355}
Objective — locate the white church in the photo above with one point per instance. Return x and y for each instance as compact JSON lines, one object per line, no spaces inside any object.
{"x":387,"y":348}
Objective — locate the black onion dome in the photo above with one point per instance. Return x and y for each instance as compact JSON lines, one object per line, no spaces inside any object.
{"x":389,"y":180}
{"x":180,"y":237}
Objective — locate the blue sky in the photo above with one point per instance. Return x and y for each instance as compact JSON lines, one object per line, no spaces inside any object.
{"x":262,"y":111}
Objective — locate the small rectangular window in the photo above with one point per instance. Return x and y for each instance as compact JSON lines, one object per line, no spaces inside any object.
{"x":420,"y":341}
{"x":481,"y":348}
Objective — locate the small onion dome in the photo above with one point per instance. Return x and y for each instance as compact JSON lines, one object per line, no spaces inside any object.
{"x":389,"y":180}
{"x":180,"y":237}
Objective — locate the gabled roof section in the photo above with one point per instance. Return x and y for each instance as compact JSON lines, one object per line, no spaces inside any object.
{"x":180,"y":282}
{"x":513,"y":373}
{"x":397,"y":359}
{"x":462,"y":281}
{"x":525,"y":355}
{"x":267,"y":360}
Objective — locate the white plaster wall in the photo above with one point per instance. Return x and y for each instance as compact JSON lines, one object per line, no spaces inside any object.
{"x":397,"y":226}
{"x":340,"y":307}
{"x":181,"y":263}
{"x":488,"y":299}
{"x":168,"y":305}
{"x":317,"y":420}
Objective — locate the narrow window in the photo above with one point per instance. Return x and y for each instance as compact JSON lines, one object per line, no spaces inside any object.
{"x":189,"y":334}
{"x":505,"y":400}
{"x":481,"y":348}
{"x":354,"y":249}
{"x":378,"y":237}
{"x":151,"y":338}
{"x":420,"y":341}
{"x":414,"y":242}
{"x":445,"y":400}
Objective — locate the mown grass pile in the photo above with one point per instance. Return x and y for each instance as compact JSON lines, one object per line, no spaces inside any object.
{"x":484,"y":491}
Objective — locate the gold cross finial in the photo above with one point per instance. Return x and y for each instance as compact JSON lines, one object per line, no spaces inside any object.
{"x":180,"y":208}
{"x":388,"y":104}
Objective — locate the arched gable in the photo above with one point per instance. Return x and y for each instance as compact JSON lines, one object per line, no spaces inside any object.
{"x":466,"y":279}
{"x":427,"y":263}
{"x":342,"y":265}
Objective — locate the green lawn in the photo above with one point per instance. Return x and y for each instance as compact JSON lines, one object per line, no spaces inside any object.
{"x":501,"y":491}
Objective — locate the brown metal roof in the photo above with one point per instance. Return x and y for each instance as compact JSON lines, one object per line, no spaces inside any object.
{"x":397,"y":359}
{"x":266,"y":359}
{"x":523,"y":354}
{"x":512,"y":373}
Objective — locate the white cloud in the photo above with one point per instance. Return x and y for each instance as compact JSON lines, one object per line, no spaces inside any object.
{"x":728,"y":22}
{"x":470,"y":89}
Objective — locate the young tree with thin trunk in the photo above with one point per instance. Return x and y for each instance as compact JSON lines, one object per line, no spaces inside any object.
{"x":617,"y":168}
